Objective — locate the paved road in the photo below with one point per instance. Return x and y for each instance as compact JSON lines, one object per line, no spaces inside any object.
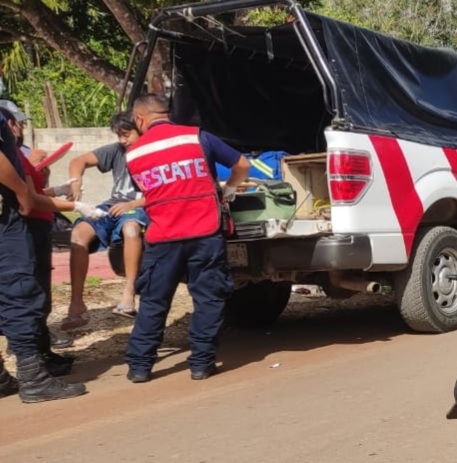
{"x":347,"y":388}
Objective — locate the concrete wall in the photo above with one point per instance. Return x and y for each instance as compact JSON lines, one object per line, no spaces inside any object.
{"x":97,"y":186}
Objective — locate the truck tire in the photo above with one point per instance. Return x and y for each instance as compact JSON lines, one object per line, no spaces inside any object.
{"x":425,"y":295}
{"x":116,"y":258}
{"x":257,"y":305}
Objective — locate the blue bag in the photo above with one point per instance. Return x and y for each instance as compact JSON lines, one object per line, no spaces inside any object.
{"x":266,"y":166}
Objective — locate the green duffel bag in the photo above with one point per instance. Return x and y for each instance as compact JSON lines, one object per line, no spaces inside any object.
{"x":270,"y":200}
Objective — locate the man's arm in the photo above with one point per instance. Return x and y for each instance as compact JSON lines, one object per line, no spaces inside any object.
{"x":239,"y":172}
{"x":218,"y":151}
{"x":12,"y":180}
{"x":47,"y":203}
{"x":76,"y":170}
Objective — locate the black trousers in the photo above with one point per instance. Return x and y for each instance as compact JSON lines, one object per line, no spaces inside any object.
{"x":42,"y":242}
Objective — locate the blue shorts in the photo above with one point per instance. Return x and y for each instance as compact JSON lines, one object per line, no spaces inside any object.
{"x":109,"y":229}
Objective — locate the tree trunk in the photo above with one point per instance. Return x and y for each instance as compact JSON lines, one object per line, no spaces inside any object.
{"x":129,"y":24}
{"x":126,"y":19}
{"x":58,"y":36}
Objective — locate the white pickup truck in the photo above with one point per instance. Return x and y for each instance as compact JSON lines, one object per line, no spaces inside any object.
{"x":370,"y":123}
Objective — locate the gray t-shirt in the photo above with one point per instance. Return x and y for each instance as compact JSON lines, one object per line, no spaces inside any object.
{"x":111,"y":158}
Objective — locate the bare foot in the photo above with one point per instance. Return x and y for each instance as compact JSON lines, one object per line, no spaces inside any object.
{"x":126,"y":306}
{"x":127,"y":300}
{"x":74,"y":321}
{"x":77,"y":310}
{"x":77,"y":317}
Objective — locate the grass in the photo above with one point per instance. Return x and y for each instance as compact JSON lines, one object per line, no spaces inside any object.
{"x":93,"y":281}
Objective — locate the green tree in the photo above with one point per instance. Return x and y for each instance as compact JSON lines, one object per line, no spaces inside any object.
{"x":82,"y":46}
{"x":90,"y":36}
{"x":81,"y":100}
{"x":428,"y":22}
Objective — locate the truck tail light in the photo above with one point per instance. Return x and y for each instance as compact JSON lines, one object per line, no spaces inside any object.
{"x":349,"y":175}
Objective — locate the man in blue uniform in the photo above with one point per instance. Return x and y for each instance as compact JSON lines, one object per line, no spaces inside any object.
{"x":21,"y":297}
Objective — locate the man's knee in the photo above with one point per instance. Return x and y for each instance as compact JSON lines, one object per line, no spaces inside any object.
{"x":132,"y":230}
{"x":82,"y":235}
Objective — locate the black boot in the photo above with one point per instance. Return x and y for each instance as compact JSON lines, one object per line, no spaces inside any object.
{"x":57,"y":365}
{"x":452,"y":413}
{"x":8,"y":384}
{"x":56,"y":369}
{"x":37,"y":385}
{"x":58,"y":359}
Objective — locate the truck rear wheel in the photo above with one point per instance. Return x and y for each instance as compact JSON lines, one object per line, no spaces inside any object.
{"x":258,"y":304}
{"x":426,"y":291}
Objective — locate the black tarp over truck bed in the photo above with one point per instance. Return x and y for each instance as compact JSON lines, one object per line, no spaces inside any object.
{"x":256,"y":88}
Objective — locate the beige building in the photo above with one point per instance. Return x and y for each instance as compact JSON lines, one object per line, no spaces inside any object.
{"x":97,"y":186}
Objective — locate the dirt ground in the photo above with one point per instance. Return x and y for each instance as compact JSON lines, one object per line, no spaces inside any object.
{"x":332,"y":381}
{"x":106,"y":334}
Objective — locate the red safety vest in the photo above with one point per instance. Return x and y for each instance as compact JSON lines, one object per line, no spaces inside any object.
{"x":169,"y":166}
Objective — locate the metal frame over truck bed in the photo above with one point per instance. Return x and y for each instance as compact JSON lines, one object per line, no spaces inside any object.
{"x":353,"y":108}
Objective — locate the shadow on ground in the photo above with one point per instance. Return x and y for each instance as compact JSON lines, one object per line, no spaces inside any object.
{"x":306,"y":324}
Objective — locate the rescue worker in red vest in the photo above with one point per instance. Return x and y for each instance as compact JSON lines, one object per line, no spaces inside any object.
{"x":174,"y":166}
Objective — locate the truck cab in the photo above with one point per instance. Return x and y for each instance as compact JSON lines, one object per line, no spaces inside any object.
{"x":369,"y":125}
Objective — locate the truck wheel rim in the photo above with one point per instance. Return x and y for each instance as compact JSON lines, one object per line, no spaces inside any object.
{"x":444,"y":289}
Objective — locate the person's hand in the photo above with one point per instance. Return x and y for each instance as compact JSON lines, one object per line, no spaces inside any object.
{"x":228,"y":193}
{"x":76,"y":190}
{"x":36,"y":156}
{"x":25,"y":201}
{"x":64,"y":189}
{"x":118,"y":209}
{"x":89,"y":211}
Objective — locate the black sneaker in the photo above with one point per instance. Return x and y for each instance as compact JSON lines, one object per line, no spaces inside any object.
{"x":139,"y":376}
{"x":452,"y":413}
{"x":203,"y":374}
{"x":60,"y":341}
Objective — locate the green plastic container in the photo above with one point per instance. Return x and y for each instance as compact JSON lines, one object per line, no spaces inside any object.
{"x":269,"y":201}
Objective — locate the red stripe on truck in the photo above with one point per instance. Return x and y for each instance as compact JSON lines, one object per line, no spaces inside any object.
{"x":405,"y":200}
{"x":451,"y":155}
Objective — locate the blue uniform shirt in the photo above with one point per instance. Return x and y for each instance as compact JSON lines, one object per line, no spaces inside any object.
{"x":216,"y":151}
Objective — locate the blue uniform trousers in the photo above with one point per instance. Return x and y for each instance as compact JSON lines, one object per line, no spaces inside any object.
{"x":203,"y":262}
{"x":21,"y":297}
{"x":41,"y":231}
